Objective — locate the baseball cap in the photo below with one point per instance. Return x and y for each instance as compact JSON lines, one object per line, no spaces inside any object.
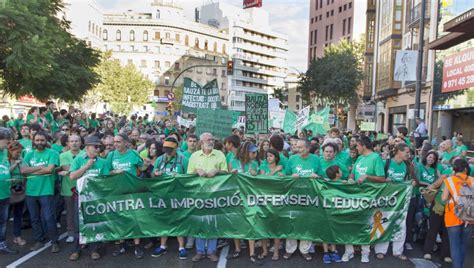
{"x":253,"y":148}
{"x":169,"y":145}
{"x":92,"y":140}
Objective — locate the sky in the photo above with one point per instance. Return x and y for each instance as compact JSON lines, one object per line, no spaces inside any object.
{"x":289,"y":17}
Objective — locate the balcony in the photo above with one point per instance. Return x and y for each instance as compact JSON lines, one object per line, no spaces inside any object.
{"x":415,"y":15}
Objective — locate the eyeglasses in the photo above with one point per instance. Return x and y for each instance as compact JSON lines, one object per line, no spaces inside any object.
{"x":65,"y":129}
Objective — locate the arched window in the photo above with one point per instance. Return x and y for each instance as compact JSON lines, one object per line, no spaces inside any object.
{"x":118,"y":35}
{"x":145,"y":36}
{"x":186,"y":40}
{"x":105,"y":35}
{"x":206,"y":45}
{"x":223,"y":49}
{"x":132,"y":35}
{"x":215,"y":47}
{"x":196,"y":43}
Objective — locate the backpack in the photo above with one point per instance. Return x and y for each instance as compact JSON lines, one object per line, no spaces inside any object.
{"x":464,"y":202}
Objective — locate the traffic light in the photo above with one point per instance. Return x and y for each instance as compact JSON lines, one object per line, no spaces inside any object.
{"x":230,"y":67}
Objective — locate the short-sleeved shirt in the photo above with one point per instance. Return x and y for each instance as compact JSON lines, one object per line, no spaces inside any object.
{"x":369,"y":165}
{"x":93,"y":123}
{"x":199,"y":160}
{"x":27,"y":145}
{"x":129,"y":161}
{"x":65,"y":159}
{"x":244,"y":169}
{"x":397,"y":172}
{"x":187,"y":154}
{"x":41,"y":185}
{"x":447,"y":156}
{"x":229,"y":157}
{"x":177,"y":164}
{"x":326,"y":164}
{"x":283,"y":162}
{"x":266,"y":169}
{"x":304,"y":167}
{"x":460,"y":149}
{"x":99,"y":168}
{"x":57,"y":147}
{"x":5,"y":176}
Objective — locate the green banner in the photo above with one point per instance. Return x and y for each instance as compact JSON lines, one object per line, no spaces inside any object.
{"x":238,"y":206}
{"x":289,"y":123}
{"x":196,"y":97}
{"x":256,"y":113}
{"x":318,"y":122}
{"x":218,"y":122}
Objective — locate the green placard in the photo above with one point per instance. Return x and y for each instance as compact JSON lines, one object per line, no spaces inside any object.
{"x":256,"y":113}
{"x":218,"y":122}
{"x":289,"y":123}
{"x":367,"y":126}
{"x":239,"y":206}
{"x":196,"y":97}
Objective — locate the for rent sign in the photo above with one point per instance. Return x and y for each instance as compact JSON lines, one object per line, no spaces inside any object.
{"x":458,"y":71}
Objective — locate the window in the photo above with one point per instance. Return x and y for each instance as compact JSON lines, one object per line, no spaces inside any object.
{"x":145,"y":36}
{"x":223,"y":48}
{"x":327,"y":32}
{"x":96,"y":30}
{"x":157,"y":64}
{"x":349,"y":21}
{"x":315,"y":37}
{"x":93,"y":27}
{"x":167,"y":64}
{"x":314,"y":52}
{"x":340,"y":9}
{"x":196,"y":43}
{"x":312,"y":20}
{"x":320,"y":3}
{"x":205,"y":45}
{"x":132,"y":35}
{"x":157,"y":36}
{"x":345,"y":7}
{"x":177,"y":37}
{"x":316,"y":2}
{"x":89,"y":26}
{"x":320,"y":17}
{"x":145,"y":48}
{"x":327,"y":14}
{"x":327,"y":2}
{"x":223,"y":73}
{"x":332,"y":13}
{"x":143,"y":63}
{"x":350,"y":5}
{"x":167,"y":82}
{"x":344,"y":27}
{"x":118,"y":35}
{"x":167,"y":36}
{"x":215,"y":47}
{"x":186,"y":40}
{"x":316,"y":19}
{"x":311,"y":37}
{"x":176,"y":65}
{"x":132,"y":48}
{"x":105,"y":35}
{"x":330,"y":32}
{"x":157,"y":13}
{"x":100,"y":32}
{"x":214,"y":71}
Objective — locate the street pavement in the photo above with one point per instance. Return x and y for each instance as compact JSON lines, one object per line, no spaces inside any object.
{"x":47,"y":259}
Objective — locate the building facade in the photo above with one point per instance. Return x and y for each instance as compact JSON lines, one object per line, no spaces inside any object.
{"x":331,"y":21}
{"x":258,"y":53}
{"x":394,"y":26}
{"x":294,"y":97}
{"x":453,"y":78}
{"x":161,"y":43}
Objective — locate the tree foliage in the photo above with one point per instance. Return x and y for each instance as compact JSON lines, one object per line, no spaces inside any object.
{"x":123,"y":87}
{"x":38,"y":56}
{"x":335,"y":77}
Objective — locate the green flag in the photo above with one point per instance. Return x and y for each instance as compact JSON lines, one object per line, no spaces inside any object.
{"x":289,"y":123}
{"x":318,"y":122}
{"x":239,"y":206}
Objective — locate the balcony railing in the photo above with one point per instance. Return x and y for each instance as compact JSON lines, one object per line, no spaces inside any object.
{"x":415,"y":14}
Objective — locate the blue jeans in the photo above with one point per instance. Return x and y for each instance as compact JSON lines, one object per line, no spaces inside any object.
{"x":211,"y":246}
{"x":42,"y":213}
{"x":17,"y":218}
{"x":4,"y":205}
{"x":458,"y":236}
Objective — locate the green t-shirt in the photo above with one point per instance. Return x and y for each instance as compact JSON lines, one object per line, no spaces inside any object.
{"x":29,"y":118}
{"x":18,"y":123}
{"x":266,"y":169}
{"x":57,"y":147}
{"x":187,"y":154}
{"x":175,"y":165}
{"x":5,"y":176}
{"x":397,"y":172}
{"x":27,"y":145}
{"x":41,"y":185}
{"x":370,"y":165}
{"x":83,"y":123}
{"x":426,"y":175}
{"x":342,"y":156}
{"x":460,"y":149}
{"x":66,"y":159}
{"x":49,"y":117}
{"x":244,"y":169}
{"x":54,"y":126}
{"x":326,"y":164}
{"x":93,"y":123}
{"x":229,"y":156}
{"x":128,"y":161}
{"x":447,"y":156}
{"x":304,"y":167}
{"x":167,"y":131}
{"x":99,"y":168}
{"x":283,"y":162}
{"x":184,"y":146}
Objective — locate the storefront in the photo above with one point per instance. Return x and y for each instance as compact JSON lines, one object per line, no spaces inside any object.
{"x":453,"y":82}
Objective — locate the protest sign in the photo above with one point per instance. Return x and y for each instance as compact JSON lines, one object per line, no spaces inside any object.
{"x":256,"y":113}
{"x":185,"y":122}
{"x":302,"y":117}
{"x":367,"y":126}
{"x":196,"y":97}
{"x":289,"y":123}
{"x":318,"y":122}
{"x":239,"y":206}
{"x":218,"y":122}
{"x":276,"y":119}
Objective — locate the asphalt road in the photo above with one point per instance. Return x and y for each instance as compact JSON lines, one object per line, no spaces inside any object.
{"x":61,"y":259}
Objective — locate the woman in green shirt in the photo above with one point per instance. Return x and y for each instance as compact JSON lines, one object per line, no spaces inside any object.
{"x":33,"y":115}
{"x":18,"y":184}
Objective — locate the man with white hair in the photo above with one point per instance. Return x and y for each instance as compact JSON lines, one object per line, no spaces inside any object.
{"x":207,"y":162}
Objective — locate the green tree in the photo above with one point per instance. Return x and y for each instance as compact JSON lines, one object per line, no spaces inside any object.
{"x":38,"y":55}
{"x":335,"y":77}
{"x":123,"y":87}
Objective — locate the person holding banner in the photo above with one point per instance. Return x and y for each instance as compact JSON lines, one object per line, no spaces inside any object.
{"x":369,"y":166}
{"x":191,"y":142}
{"x":83,"y":167}
{"x":170,"y":163}
{"x":276,"y":143}
{"x":397,"y":171}
{"x":207,"y":163}
{"x":231,"y":145}
{"x":330,"y":150}
{"x":302,"y":164}
{"x":123,"y":160}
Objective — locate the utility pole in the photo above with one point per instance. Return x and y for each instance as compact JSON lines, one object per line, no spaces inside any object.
{"x":419,"y":64}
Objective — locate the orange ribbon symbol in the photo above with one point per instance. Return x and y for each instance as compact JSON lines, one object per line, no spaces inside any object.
{"x":377,"y":225}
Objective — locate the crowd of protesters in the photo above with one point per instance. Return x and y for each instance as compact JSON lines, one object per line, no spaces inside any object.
{"x":48,"y":151}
